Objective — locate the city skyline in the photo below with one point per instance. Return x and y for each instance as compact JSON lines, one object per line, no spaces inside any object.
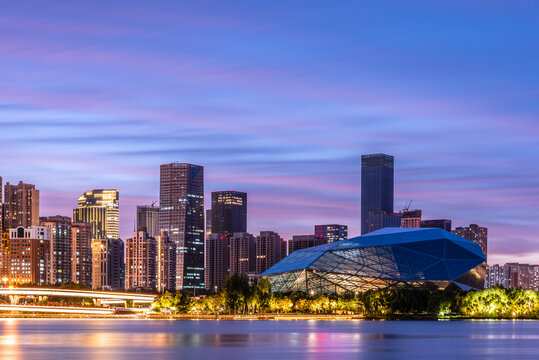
{"x":279,"y":103}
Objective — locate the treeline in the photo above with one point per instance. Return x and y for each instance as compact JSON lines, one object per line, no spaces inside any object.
{"x":238,"y":297}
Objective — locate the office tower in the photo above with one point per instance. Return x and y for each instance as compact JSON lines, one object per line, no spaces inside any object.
{"x":81,"y":253}
{"x":380,"y":219}
{"x":148,"y":220}
{"x":228,"y":212}
{"x":333,"y":232}
{"x":242,"y":248}
{"x":108,"y":272}
{"x":1,"y":209}
{"x":29,"y":254}
{"x":474,"y":233}
{"x":268,"y":250}
{"x":208,"y":223}
{"x":411,"y":218}
{"x":101,"y":208}
{"x":217,"y":261}
{"x":61,"y":240}
{"x":21,"y":205}
{"x":376,"y":186}
{"x":299,"y":242}
{"x":166,"y":263}
{"x":437,"y":223}
{"x":140,"y":261}
{"x":181,"y":215}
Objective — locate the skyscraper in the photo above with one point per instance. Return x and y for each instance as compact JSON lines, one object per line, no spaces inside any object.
{"x":333,"y":232}
{"x":217,"y":261}
{"x":411,"y":218}
{"x":228,"y":212}
{"x":108,"y":272}
{"x":208,"y":223}
{"x":29,"y":254}
{"x":268,"y":250}
{"x":60,"y":247}
{"x":140,"y":261}
{"x":81,"y":253}
{"x":437,"y":223}
{"x":474,"y":233}
{"x":242,"y":249}
{"x":299,"y":242}
{"x":376,"y":186}
{"x":21,"y":205}
{"x":166,"y":263}
{"x":181,"y":215}
{"x":148,"y":220}
{"x":101,"y":208}
{"x":379,"y":219}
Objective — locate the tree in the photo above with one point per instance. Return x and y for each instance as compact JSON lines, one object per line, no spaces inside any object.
{"x":236,"y":292}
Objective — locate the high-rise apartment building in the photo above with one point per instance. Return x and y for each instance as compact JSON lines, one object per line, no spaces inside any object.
{"x":411,"y":218}
{"x":217,"y":261}
{"x":166,"y":263}
{"x":299,"y":242}
{"x":332,"y":232}
{"x":382,"y":219}
{"x":81,"y":253}
{"x":208,"y":222}
{"x":377,"y":176}
{"x":474,"y":233}
{"x":140,"y":262}
{"x":242,"y":249}
{"x":1,"y":211}
{"x":437,"y":223}
{"x":148,"y":220}
{"x":101,"y":208}
{"x":228,"y":212}
{"x":181,"y":215}
{"x":268,"y":250}
{"x":513,"y":276}
{"x":29,"y":254}
{"x":21,"y":206}
{"x":61,"y":247}
{"x":108,"y":272}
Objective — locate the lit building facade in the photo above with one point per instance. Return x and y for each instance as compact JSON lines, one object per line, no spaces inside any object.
{"x":513,"y":276}
{"x":166,"y":263}
{"x":411,"y":218}
{"x":29,"y":255}
{"x":268,"y":250}
{"x":141,"y":262}
{"x":108,"y":268}
{"x":228,"y":212}
{"x":61,"y":247}
{"x":242,"y":248}
{"x":181,"y":215}
{"x":148,"y":220}
{"x":377,"y":177}
{"x":101,"y":208}
{"x":332,"y":232}
{"x":217,"y":261}
{"x":21,"y":206}
{"x":81,"y":253}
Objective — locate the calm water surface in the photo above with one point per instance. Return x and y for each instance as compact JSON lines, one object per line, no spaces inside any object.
{"x":335,"y":340}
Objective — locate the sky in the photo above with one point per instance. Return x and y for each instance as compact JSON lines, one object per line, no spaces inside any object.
{"x":280,"y":99}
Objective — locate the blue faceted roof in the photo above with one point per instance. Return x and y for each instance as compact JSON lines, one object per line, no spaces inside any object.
{"x":407,"y":254}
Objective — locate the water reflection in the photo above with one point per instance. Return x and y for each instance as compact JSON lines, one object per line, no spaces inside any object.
{"x":152,"y":339}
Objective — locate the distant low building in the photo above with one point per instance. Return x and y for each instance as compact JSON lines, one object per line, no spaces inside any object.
{"x":300,"y":242}
{"x":411,"y":218}
{"x":381,"y":219}
{"x":437,"y":223}
{"x":332,"y":232}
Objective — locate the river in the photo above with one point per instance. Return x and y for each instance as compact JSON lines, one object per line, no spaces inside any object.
{"x":235,"y":340}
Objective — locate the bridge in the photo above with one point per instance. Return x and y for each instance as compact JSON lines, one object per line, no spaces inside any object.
{"x":58,"y":309}
{"x":99,"y":297}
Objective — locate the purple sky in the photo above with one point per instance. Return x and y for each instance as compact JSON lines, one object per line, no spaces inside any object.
{"x":280,"y":99}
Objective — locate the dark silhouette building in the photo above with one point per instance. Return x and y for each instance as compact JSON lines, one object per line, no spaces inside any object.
{"x":181,"y":215}
{"x":268,"y":250}
{"x":242,"y":248}
{"x":437,"y":223}
{"x":333,"y":232}
{"x":228,"y":212}
{"x":377,"y":176}
{"x":300,"y":242}
{"x":381,"y":219}
{"x":217,"y":261}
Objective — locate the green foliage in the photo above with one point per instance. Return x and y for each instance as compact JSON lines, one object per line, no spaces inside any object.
{"x":501,"y":303}
{"x":178,"y":302}
{"x":237,"y":293}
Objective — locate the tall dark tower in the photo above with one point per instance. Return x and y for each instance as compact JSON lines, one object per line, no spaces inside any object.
{"x":376,"y":186}
{"x":181,"y":215}
{"x":228,"y":212}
